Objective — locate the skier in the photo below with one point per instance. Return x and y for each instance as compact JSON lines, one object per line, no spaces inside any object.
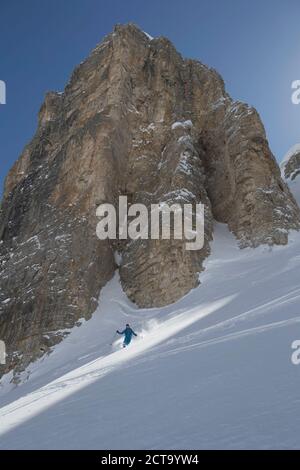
{"x":128,"y":332}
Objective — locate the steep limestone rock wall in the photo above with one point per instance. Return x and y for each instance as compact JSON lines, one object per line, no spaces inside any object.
{"x":136,"y":119}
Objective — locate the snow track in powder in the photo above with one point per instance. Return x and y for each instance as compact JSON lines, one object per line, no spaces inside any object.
{"x":39,"y":400}
{"x":212,"y":370}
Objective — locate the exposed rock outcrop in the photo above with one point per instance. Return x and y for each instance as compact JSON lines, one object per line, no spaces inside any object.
{"x":290,"y":166}
{"x":290,"y":169}
{"x":135,"y":119}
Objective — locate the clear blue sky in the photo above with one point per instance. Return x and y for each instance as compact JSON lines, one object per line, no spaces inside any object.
{"x":254,"y":44}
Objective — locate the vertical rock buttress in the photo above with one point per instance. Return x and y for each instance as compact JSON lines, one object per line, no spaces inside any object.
{"x":135,"y":119}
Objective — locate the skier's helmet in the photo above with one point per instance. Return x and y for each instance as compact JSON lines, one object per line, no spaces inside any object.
{"x":127,"y":324}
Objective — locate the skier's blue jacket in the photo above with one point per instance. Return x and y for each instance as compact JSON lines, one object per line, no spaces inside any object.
{"x":128,"y":332}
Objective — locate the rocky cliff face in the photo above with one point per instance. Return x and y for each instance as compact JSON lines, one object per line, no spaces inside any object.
{"x":291,"y":164}
{"x":135,"y":119}
{"x":290,"y":169}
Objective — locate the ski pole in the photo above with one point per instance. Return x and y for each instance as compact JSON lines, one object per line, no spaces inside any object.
{"x":113,"y":338}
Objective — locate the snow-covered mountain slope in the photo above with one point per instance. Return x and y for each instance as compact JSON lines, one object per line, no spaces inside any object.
{"x":213,"y":370}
